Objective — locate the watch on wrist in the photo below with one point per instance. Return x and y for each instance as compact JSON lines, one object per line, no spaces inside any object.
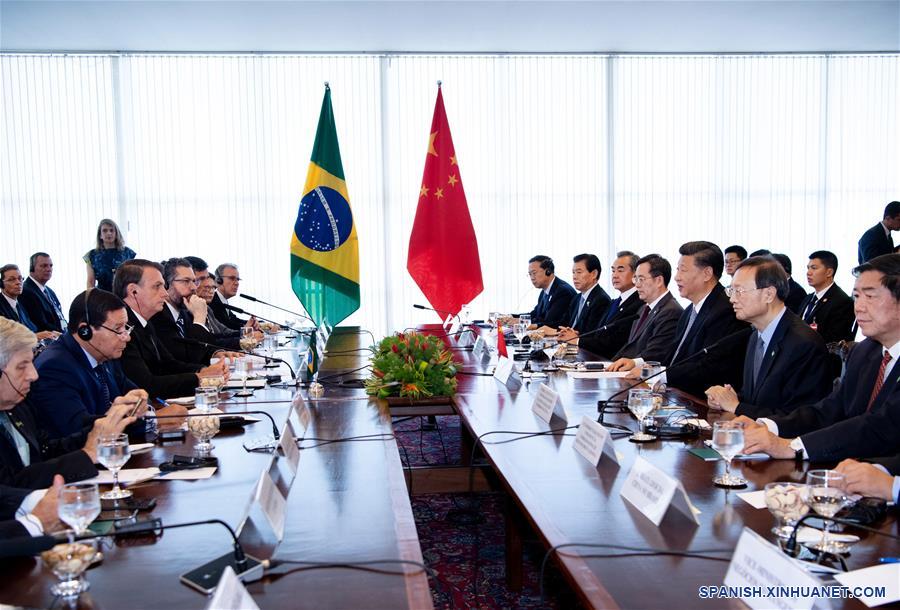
{"x":797,"y":446}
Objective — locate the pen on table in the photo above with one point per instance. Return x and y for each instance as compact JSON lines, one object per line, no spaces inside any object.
{"x":889,"y":560}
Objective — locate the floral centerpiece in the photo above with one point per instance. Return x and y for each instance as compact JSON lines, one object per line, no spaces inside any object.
{"x":412,"y":365}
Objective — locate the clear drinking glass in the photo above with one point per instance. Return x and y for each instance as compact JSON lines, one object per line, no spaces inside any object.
{"x":641,"y":403}
{"x":728,"y":440}
{"x":525,"y":319}
{"x":113,"y":451}
{"x":649,"y":369}
{"x":203,"y":425}
{"x":248,"y":341}
{"x":825,"y":494}
{"x":519,"y":331}
{"x":787,"y":503}
{"x":79,"y":504}
{"x":242,"y":372}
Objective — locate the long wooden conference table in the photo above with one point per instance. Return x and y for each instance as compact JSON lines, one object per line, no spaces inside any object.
{"x":349,"y":503}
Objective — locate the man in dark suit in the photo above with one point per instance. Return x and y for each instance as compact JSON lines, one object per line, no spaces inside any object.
{"x":27,"y":459}
{"x":24,"y":512}
{"x":229,"y":281}
{"x":206,"y":289}
{"x":828,"y":309}
{"x":590,"y":304}
{"x":877,"y":240}
{"x":10,"y":307}
{"x":796,"y":294}
{"x":861,"y":417}
{"x":707,"y":320}
{"x":652,"y":335}
{"x":183,"y":318}
{"x":607,"y":342}
{"x":785,"y":363}
{"x":80,"y":374}
{"x":146,"y":361}
{"x":40,"y":302}
{"x":733,"y":257}
{"x":556,"y":295}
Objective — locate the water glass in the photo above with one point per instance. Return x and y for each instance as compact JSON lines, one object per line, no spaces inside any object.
{"x":242,"y":371}
{"x":79,"y":505}
{"x":825,"y":494}
{"x":649,"y":369}
{"x":728,"y":440}
{"x":525,"y":319}
{"x":641,"y":403}
{"x":113,"y":451}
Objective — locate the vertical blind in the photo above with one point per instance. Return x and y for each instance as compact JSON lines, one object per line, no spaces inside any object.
{"x":207,"y":155}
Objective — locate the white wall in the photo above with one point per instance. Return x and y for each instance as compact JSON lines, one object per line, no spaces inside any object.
{"x":439,"y":26}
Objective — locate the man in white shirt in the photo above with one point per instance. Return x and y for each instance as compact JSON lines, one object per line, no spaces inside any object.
{"x":621,"y":312}
{"x":11,"y":282}
{"x":36,"y":514}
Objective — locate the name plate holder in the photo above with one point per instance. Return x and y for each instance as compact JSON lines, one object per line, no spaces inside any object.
{"x":760,"y":569}
{"x":231,"y":594}
{"x":478,"y":348}
{"x":289,"y":448}
{"x":447,"y":323}
{"x":547,"y":405}
{"x":593,"y":441}
{"x":653,"y":493}
{"x":266,"y":500}
{"x":464,"y":338}
{"x":301,"y":410}
{"x":505,"y":372}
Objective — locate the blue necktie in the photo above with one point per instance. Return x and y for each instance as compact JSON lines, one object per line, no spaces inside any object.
{"x":613,"y":310}
{"x":686,"y":331}
{"x":100,"y":373}
{"x":758,"y":358}
{"x":581,"y":303}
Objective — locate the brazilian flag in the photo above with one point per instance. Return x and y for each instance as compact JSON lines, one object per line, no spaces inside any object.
{"x":324,"y":246}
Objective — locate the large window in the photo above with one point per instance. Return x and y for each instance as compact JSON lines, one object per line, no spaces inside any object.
{"x":207,"y":155}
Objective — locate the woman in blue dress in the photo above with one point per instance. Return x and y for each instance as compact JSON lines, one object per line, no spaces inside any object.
{"x":110,"y":252}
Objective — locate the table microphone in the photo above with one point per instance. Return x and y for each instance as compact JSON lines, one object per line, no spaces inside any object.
{"x":790,"y":547}
{"x":294,"y":330}
{"x":606,"y":326}
{"x":224,"y":414}
{"x":602,"y":404}
{"x":240,"y":351}
{"x":440,"y":311}
{"x":244,"y":295}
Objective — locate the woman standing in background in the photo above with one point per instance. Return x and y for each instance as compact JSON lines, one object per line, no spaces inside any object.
{"x":110,"y":252}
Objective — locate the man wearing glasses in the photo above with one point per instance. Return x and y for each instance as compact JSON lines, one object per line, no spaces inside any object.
{"x":786,"y":361}
{"x":12,"y":281}
{"x":80,"y":377}
{"x":229,"y":281}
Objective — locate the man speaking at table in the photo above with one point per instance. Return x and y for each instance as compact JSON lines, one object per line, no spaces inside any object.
{"x":786,"y":361}
{"x":861,"y":417}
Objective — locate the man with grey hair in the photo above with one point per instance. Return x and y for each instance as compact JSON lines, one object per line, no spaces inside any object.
{"x":10,"y":307}
{"x":228,"y":282}
{"x":26,"y":459}
{"x":40,"y":302}
{"x":620,"y":312}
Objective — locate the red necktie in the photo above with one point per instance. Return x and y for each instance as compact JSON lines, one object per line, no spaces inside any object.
{"x":879,"y":381}
{"x":640,"y":324}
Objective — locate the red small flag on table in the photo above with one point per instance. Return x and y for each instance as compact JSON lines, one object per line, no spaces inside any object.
{"x":501,"y":341}
{"x":443,"y":252}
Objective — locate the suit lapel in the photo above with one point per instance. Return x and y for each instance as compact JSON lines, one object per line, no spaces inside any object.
{"x":772,"y":350}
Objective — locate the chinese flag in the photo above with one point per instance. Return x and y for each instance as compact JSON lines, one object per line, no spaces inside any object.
{"x":501,"y":341}
{"x":443,"y":252}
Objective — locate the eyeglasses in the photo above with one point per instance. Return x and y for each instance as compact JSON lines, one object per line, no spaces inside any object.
{"x":234,"y":278}
{"x":740,"y":292}
{"x":187,"y":279}
{"x":14,"y":280}
{"x":124,"y":332}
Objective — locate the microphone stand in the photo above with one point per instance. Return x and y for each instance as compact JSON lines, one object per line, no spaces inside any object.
{"x":440,"y":311}
{"x":293,"y":313}
{"x":290,"y":328}
{"x":790,"y":547}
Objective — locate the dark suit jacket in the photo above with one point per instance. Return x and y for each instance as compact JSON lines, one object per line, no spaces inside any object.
{"x":167,"y":331}
{"x":40,"y":308}
{"x":148,"y":363}
{"x":795,"y":296}
{"x":838,"y":426}
{"x":593,"y":312}
{"x":10,"y":499}
{"x":833,"y":314}
{"x":607,"y":342}
{"x":725,"y":364}
{"x":553,"y":309}
{"x":654,"y":342}
{"x":874,"y":242}
{"x":8,"y":312}
{"x":223,"y":315}
{"x":794,"y":371}
{"x":48,"y":456}
{"x":67,"y":397}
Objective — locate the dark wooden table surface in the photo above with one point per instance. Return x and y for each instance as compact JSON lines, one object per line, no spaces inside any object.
{"x":348,"y":503}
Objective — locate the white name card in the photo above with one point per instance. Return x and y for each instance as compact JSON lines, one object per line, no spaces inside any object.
{"x":546,"y":404}
{"x":478,"y":348}
{"x":760,"y":569}
{"x":464,"y":338}
{"x":505,"y":371}
{"x":303,"y":413}
{"x":272,"y":504}
{"x":231,"y":594}
{"x":454,"y":326}
{"x":652,"y":492}
{"x":886,"y":575}
{"x":593,"y":441}
{"x":289,"y":447}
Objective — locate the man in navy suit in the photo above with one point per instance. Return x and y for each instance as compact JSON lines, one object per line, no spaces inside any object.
{"x":24,"y":512}
{"x":27,"y":459}
{"x":607,"y":342}
{"x":10,"y":307}
{"x":653,"y":333}
{"x":796,"y":294}
{"x":80,"y":374}
{"x":588,"y":307}
{"x":828,"y":309}
{"x":877,"y":240}
{"x":785,"y":364}
{"x":861,"y":417}
{"x":40,"y":302}
{"x":708,"y":319}
{"x":552,"y":308}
